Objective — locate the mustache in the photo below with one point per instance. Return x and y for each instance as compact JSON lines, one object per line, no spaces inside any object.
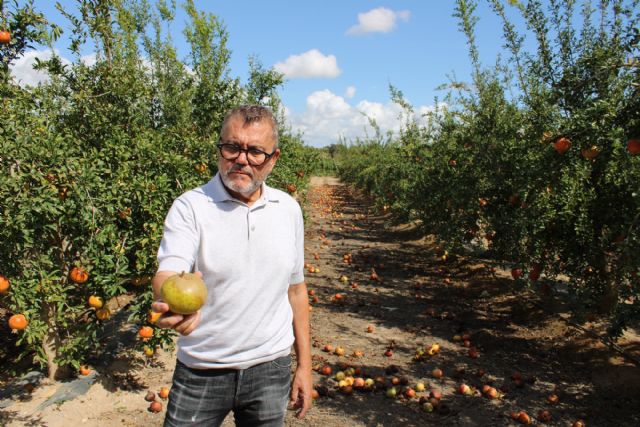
{"x":240,"y":168}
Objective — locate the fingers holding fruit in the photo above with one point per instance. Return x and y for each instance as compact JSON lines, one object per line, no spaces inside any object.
{"x":184,"y":324}
{"x":188,"y":324}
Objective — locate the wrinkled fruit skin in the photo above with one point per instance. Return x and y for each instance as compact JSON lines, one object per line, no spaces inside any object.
{"x":185,"y":293}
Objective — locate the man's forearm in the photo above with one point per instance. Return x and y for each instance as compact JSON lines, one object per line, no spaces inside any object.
{"x":300,"y":305}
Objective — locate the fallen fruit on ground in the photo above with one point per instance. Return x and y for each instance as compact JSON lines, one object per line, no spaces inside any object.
{"x":427,"y":407}
{"x":523,"y":418}
{"x":359,"y":383}
{"x":465,"y":389}
{"x":84,"y":370}
{"x":326,"y":370}
{"x":185,"y":293}
{"x":164,"y":392}
{"x":155,"y":406}
{"x":544,"y":416}
{"x":150,"y":396}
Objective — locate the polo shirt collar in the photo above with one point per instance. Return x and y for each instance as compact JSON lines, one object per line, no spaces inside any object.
{"x":217,"y":192}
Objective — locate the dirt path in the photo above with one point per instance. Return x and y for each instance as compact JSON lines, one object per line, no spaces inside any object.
{"x":418,"y":300}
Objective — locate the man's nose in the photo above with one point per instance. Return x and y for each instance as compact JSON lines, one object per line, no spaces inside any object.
{"x":243,"y":158}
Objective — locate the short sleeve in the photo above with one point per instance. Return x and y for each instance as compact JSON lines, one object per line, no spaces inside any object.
{"x":179,"y":243}
{"x":297,"y":275}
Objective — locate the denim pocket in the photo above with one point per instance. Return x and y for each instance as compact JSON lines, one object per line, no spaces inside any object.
{"x":284,"y":362}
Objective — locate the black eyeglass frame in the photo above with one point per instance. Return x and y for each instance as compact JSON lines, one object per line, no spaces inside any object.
{"x":246,"y":152}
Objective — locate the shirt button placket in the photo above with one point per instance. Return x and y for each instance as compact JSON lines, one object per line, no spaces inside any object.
{"x":249,"y":227}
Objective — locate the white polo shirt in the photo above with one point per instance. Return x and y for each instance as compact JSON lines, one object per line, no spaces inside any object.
{"x":249,"y":256}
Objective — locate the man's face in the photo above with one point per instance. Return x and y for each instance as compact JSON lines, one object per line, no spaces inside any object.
{"x":238,"y":175}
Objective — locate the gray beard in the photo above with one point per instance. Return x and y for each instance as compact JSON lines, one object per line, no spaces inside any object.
{"x":255,"y":184}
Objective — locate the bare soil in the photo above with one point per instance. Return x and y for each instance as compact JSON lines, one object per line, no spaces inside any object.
{"x":419,"y":299}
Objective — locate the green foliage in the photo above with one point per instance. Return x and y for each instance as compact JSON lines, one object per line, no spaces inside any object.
{"x":92,"y":160}
{"x":485,"y":172}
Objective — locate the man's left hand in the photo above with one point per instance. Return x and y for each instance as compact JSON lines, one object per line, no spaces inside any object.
{"x":301,"y":396}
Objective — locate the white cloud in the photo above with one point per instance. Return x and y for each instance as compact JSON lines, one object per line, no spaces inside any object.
{"x":350,"y":92}
{"x":22,"y":70}
{"x":89,"y":60}
{"x":23,"y":73}
{"x":312,"y":63}
{"x":329,"y":117}
{"x":379,"y":20}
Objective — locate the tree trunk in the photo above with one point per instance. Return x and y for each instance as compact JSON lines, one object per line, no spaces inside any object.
{"x":609,"y":298}
{"x":51,"y":344}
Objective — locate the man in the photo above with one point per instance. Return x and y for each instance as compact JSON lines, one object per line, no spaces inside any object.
{"x":246,"y":240}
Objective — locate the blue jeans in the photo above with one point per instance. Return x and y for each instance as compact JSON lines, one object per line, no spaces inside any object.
{"x":258,"y":396}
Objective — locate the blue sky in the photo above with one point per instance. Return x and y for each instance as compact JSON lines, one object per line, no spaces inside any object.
{"x":339,"y":57}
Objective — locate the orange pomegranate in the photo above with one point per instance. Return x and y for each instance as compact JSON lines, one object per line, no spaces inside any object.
{"x":146,"y":332}
{"x":153,"y":316}
{"x":591,"y":152}
{"x":5,"y":37}
{"x":103,"y":313}
{"x":562,"y":145}
{"x":164,"y":392}
{"x":148,"y":351}
{"x":79,"y":275}
{"x":534,"y":273}
{"x":95,"y":301}
{"x":201,"y":168}
{"x":633,"y":147}
{"x":4,"y":285}
{"x":18,"y":322}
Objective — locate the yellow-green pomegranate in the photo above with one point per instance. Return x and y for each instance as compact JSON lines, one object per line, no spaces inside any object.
{"x":185,"y":293}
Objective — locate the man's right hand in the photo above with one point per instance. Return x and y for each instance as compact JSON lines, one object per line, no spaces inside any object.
{"x":183,"y":324}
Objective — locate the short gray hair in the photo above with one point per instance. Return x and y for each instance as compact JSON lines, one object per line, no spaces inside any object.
{"x":253,"y":114}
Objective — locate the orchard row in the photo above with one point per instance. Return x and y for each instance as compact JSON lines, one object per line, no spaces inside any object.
{"x":535,"y":162}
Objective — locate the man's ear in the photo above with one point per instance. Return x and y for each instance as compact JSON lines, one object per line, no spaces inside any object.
{"x":275,"y":156}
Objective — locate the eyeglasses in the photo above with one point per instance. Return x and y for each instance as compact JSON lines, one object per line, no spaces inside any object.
{"x":255,"y":157}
